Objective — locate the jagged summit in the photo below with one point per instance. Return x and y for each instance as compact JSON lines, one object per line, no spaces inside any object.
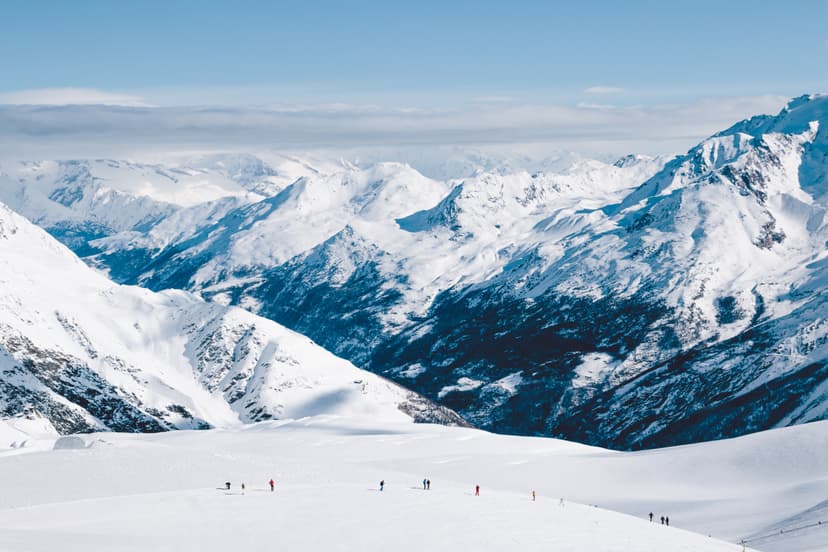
{"x":795,"y":118}
{"x":631,"y":160}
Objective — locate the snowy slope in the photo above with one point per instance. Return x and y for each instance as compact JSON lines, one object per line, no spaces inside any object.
{"x":90,"y":354}
{"x":124,"y":492}
{"x":27,"y":432}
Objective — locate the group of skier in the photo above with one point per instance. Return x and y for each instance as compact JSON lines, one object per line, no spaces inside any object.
{"x":427,"y":487}
{"x":665,"y":520}
{"x":243,"y":487}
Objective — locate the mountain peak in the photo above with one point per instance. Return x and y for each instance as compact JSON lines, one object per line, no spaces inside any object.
{"x":631,"y":160}
{"x":795,"y":118}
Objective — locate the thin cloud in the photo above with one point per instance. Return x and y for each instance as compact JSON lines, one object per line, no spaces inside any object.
{"x":494,"y":99}
{"x":603,"y":90}
{"x":591,"y":105}
{"x":72,"y":131}
{"x":71,"y":96}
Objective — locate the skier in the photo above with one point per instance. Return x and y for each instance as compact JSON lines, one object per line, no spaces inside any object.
{"x":424,"y":483}
{"x":242,"y":488}
{"x":662,"y":520}
{"x":227,"y":485}
{"x":382,"y":484}
{"x":651,"y":517}
{"x":533,"y":496}
{"x":273,"y":484}
{"x":667,"y":521}
{"x":477,"y":490}
{"x":428,"y":484}
{"x":561,"y":503}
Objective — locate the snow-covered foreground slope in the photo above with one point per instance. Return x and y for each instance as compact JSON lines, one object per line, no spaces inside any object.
{"x":90,"y":354}
{"x":163,"y":491}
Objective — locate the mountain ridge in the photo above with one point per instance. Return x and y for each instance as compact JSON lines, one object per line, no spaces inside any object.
{"x":89,"y":354}
{"x":594,"y":304}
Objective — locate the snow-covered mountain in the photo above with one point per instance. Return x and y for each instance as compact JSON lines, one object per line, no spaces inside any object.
{"x":78,"y":201}
{"x":431,"y":234}
{"x":629,"y":304}
{"x":89,"y":354}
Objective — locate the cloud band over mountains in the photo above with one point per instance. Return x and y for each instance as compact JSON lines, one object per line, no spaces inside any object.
{"x":94,"y":130}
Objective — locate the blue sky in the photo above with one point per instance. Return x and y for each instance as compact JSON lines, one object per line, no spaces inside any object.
{"x":332,"y":50}
{"x":600,"y":76}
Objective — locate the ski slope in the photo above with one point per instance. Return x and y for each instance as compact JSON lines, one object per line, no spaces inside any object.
{"x":163,"y":491}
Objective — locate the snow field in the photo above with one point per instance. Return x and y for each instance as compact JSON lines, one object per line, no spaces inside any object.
{"x":162,"y":491}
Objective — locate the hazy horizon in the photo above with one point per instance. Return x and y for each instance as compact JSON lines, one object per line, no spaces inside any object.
{"x":601,"y":79}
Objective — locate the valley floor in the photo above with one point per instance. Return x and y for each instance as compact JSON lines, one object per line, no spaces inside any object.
{"x":165,"y":491}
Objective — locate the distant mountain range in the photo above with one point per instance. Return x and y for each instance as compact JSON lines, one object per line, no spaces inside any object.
{"x":643,"y":303}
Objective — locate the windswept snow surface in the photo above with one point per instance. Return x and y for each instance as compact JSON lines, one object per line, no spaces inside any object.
{"x":163,"y":491}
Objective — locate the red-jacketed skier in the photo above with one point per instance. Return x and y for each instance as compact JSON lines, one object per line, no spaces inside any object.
{"x":272,"y":485}
{"x":477,"y":490}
